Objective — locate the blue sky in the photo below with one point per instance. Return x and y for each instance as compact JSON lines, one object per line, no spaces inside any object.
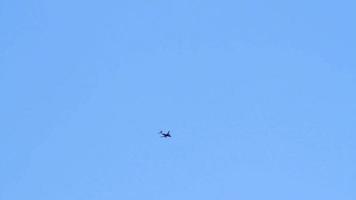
{"x":259,"y":96}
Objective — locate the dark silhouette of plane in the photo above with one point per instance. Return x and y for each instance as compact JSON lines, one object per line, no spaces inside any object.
{"x":165,"y":135}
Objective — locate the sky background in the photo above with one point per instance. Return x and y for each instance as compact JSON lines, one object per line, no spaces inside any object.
{"x":259,"y":96}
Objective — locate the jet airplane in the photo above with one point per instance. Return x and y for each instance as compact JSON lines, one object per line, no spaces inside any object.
{"x":165,"y":135}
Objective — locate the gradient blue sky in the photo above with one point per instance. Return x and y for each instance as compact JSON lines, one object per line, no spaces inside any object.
{"x":259,"y":96}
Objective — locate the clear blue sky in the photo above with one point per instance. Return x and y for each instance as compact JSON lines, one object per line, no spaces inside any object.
{"x":259,"y":96}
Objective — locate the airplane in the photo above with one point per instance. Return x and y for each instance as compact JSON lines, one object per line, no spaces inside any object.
{"x":165,"y":135}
